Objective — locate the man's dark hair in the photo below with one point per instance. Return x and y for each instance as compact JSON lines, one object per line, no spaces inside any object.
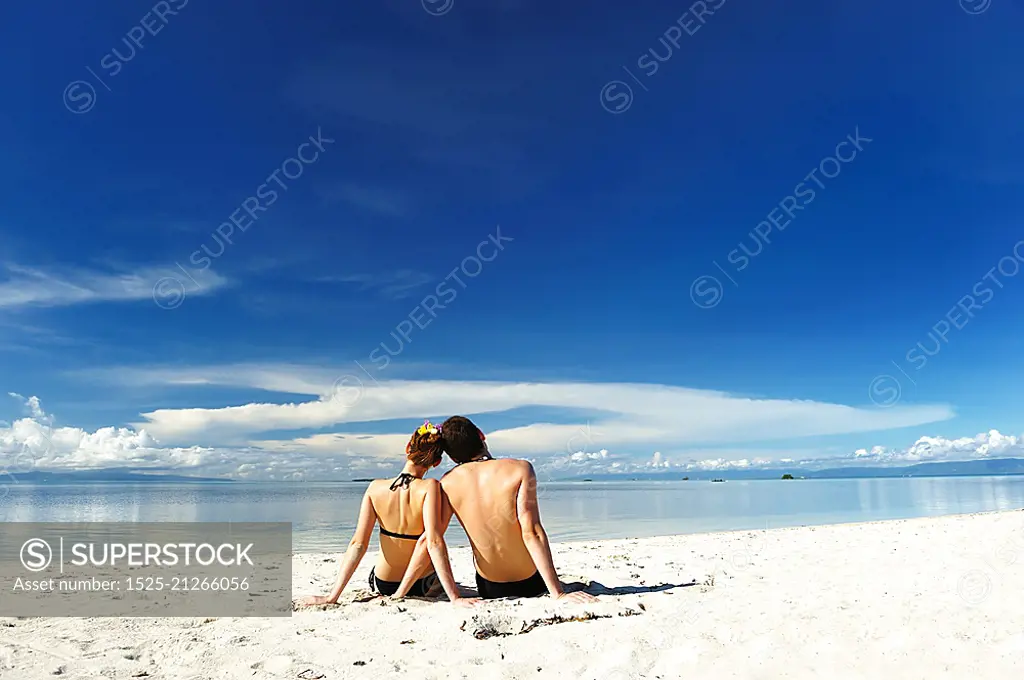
{"x":463,"y":441}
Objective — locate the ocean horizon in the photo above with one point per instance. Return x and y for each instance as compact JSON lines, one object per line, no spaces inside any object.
{"x":323,"y":514}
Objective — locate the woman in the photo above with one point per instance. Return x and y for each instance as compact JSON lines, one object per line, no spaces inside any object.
{"x":406,"y":508}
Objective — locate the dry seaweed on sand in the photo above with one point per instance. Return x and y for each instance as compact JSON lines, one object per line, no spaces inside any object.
{"x":488,"y":630}
{"x":558,"y":618}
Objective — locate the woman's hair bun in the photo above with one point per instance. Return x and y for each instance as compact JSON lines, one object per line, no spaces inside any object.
{"x":427,"y":445}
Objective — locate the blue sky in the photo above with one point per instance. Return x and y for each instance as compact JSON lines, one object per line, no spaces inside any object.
{"x":617,"y":189}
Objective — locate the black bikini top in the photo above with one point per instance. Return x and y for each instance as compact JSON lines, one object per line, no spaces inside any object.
{"x":402,"y":481}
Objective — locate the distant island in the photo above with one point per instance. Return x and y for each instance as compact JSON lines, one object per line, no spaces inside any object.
{"x":971,"y":468}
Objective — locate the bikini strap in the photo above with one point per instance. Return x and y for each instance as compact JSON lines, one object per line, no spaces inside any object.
{"x":392,"y":534}
{"x":403,"y":480}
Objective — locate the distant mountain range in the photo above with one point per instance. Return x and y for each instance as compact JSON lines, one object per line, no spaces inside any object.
{"x":969,"y":468}
{"x":118,"y":475}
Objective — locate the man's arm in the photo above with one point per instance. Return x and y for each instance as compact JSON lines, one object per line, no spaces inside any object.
{"x":536,"y":539}
{"x":356,"y":550}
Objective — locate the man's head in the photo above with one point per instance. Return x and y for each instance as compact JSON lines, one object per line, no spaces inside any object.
{"x":463,"y":441}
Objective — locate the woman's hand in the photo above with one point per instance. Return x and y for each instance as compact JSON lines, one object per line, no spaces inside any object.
{"x":466,"y":601}
{"x":313,"y":600}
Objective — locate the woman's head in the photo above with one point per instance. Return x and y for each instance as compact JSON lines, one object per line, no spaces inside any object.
{"x":462,"y":439}
{"x":426,"y":446}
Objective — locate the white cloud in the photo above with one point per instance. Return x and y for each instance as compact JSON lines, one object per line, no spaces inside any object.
{"x":34,"y":444}
{"x":375,"y":199}
{"x":283,"y":378}
{"x":365,"y":446}
{"x":626,"y":429}
{"x":32,"y":404}
{"x":657,"y":461}
{"x":41,"y":287}
{"x":634,"y":415}
{"x":991,"y":444}
{"x":581,"y":456}
{"x":395,"y":285}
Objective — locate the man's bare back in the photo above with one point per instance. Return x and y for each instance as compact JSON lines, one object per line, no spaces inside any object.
{"x":483,"y":495}
{"x":496,"y":503}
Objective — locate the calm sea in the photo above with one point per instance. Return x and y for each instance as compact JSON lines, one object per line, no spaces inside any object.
{"x":323,"y":514}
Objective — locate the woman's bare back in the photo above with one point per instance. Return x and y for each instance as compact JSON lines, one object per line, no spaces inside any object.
{"x":399,"y":511}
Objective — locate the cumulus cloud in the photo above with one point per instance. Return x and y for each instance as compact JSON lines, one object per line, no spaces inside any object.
{"x":581,"y":456}
{"x":49,"y":287}
{"x":33,"y":443}
{"x":32,"y":404}
{"x":991,"y":444}
{"x":657,"y":461}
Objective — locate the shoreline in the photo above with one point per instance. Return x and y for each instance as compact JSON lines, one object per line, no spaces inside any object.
{"x":724,"y":532}
{"x":915,"y":598}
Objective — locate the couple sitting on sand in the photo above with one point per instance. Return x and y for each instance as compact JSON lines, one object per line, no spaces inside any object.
{"x":495,"y":500}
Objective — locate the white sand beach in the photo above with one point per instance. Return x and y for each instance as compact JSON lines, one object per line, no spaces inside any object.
{"x":922,"y":598}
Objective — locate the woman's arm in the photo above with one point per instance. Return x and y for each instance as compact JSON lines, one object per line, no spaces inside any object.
{"x":435,"y":525}
{"x":356,"y":549}
{"x":419,"y":564}
{"x":437,"y":514}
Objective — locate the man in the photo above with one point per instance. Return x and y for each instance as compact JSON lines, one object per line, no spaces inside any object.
{"x":496,"y":503}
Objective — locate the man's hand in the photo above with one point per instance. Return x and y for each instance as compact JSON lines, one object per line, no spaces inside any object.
{"x":578,"y":597}
{"x":314,"y":600}
{"x":466,"y":602}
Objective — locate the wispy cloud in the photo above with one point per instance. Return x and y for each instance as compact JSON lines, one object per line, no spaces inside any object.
{"x":634,"y":416}
{"x":31,"y":339}
{"x":409,"y":92}
{"x":402,"y":100}
{"x":395,"y":285}
{"x":280,"y":378}
{"x":53,"y":287}
{"x":381,"y":200}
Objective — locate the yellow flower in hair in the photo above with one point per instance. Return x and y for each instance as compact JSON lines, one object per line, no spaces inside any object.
{"x":428,"y":428}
